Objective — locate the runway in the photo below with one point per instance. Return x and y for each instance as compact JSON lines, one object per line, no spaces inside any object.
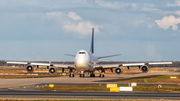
{"x":88,"y":95}
{"x":24,"y":87}
{"x":6,"y":83}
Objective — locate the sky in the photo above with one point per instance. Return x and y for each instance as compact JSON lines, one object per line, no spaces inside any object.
{"x":45,"y":30}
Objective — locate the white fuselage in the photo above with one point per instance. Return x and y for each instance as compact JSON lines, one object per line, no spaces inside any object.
{"x":84,"y":61}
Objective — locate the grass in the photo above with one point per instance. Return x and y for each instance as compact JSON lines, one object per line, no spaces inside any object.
{"x":154,"y":88}
{"x":25,"y":76}
{"x":10,"y":73}
{"x":19,"y":70}
{"x":102,"y":88}
{"x":36,"y":99}
{"x":159,"y":79}
{"x":76,"y":88}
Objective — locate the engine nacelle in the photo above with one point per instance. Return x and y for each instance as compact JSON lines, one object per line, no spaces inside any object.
{"x":118,"y":70}
{"x":144,"y":68}
{"x":29,"y":68}
{"x":52,"y":70}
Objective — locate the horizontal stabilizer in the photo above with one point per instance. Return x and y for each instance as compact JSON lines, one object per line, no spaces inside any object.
{"x":108,"y":56}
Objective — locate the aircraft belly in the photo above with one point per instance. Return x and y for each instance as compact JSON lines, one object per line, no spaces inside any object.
{"x":84,"y":68}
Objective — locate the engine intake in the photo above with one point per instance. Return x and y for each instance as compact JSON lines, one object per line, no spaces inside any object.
{"x":118,"y":70}
{"x":144,"y":68}
{"x":29,"y":68}
{"x":52,"y":70}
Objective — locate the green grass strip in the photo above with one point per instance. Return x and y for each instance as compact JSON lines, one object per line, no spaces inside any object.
{"x":138,"y":88}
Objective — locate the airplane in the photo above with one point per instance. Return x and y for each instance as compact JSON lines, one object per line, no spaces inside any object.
{"x":87,"y":61}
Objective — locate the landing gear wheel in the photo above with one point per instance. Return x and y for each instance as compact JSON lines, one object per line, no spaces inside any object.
{"x":81,"y":75}
{"x":90,"y":75}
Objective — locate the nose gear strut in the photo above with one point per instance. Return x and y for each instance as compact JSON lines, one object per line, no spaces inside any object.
{"x":82,"y":74}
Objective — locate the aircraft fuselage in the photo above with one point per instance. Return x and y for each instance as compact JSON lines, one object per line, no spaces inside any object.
{"x":84,"y":61}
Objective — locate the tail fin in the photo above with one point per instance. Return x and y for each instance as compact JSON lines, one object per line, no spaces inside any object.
{"x":92,"y":42}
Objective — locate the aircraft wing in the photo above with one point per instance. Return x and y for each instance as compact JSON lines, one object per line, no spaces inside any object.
{"x":145,"y":63}
{"x":106,"y":66}
{"x":108,"y":56}
{"x":129,"y":64}
{"x":70,"y":55}
{"x":44,"y":64}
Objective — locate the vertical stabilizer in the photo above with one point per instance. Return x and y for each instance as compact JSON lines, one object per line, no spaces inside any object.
{"x":92,"y":42}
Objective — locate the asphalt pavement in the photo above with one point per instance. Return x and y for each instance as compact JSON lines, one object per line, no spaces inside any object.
{"x":88,"y":95}
{"x":24,"y":88}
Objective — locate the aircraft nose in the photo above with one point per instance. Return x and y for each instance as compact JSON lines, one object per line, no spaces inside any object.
{"x":80,"y":64}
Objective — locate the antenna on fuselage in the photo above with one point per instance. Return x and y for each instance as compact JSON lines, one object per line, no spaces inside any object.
{"x":92,"y":42}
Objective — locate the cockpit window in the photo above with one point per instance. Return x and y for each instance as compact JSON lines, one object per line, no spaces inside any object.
{"x":82,"y":53}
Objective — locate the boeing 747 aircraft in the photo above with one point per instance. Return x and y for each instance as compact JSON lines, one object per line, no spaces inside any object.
{"x":86,"y":61}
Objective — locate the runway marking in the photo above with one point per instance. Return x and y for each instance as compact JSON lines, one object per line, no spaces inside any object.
{"x":20,"y":88}
{"x":16,"y":88}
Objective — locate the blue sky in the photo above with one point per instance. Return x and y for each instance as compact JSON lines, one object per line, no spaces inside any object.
{"x":140,"y":30}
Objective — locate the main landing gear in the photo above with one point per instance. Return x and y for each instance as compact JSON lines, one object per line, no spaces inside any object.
{"x":92,"y":74}
{"x":71,"y":74}
{"x":102,"y":73}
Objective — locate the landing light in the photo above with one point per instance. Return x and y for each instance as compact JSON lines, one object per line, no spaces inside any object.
{"x":80,"y":61}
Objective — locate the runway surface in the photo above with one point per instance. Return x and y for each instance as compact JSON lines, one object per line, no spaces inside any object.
{"x":88,"y":95}
{"x":24,"y":88}
{"x":6,"y":83}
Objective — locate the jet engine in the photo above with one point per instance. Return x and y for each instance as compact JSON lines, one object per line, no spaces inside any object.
{"x":29,"y":68}
{"x":118,"y":70}
{"x":144,"y":68}
{"x":52,"y":70}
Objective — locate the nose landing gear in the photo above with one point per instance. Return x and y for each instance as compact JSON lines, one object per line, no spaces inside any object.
{"x":82,"y":74}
